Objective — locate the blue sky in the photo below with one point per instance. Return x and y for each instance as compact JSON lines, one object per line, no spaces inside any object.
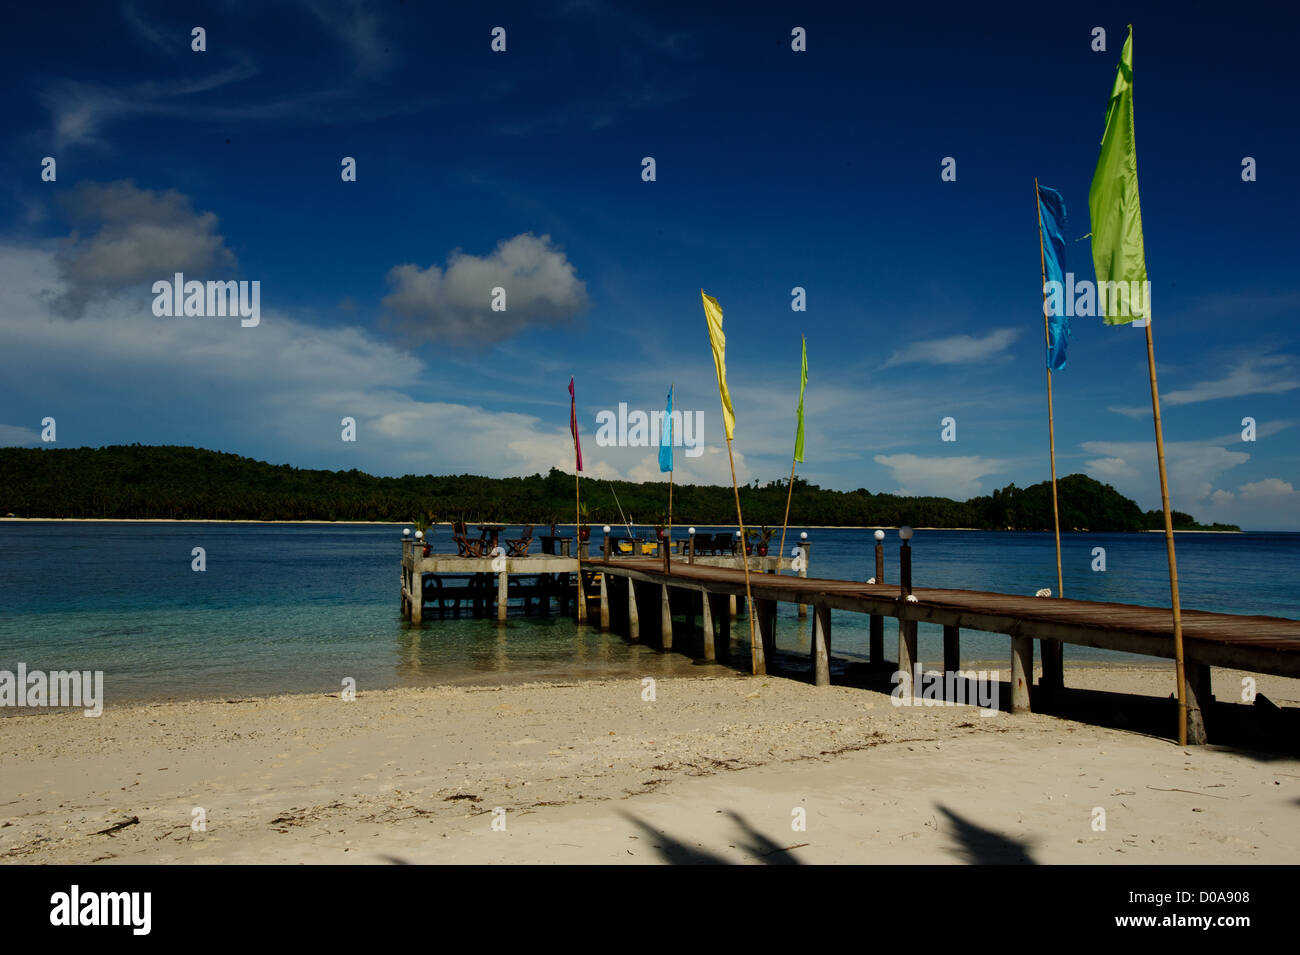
{"x":774,"y":169}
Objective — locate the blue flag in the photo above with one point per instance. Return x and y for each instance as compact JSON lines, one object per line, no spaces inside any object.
{"x":1051,"y":209}
{"x":666,"y":437}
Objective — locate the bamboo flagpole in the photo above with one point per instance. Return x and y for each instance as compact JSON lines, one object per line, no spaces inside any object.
{"x":666,"y":462}
{"x":785,"y":522}
{"x":798,"y":452}
{"x":1051,"y":416}
{"x":718,"y":342}
{"x":1119,"y":254}
{"x":577,"y":498}
{"x":1180,"y":667}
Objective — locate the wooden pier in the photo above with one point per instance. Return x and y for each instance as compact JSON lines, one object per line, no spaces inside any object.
{"x":1253,"y":643}
{"x":629,"y":594}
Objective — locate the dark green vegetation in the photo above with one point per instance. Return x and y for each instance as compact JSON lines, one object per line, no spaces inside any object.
{"x":176,"y":482}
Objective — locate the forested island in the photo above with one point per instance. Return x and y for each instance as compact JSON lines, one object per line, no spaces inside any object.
{"x":140,"y":482}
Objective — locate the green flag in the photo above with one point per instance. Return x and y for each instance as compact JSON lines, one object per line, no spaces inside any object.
{"x":1123,"y":293}
{"x":803,"y":383}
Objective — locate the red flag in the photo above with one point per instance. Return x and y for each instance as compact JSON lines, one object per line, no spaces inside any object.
{"x":573,"y":424}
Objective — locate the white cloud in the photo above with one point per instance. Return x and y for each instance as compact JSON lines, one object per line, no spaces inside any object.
{"x":455,"y":304}
{"x":955,"y":477}
{"x":1267,"y":489}
{"x":1268,"y":504}
{"x":955,"y":350}
{"x":1108,"y":469}
{"x":136,"y":235}
{"x":1192,"y":468}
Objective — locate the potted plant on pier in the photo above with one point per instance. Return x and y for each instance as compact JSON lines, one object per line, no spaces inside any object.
{"x":765,"y":538}
{"x":584,"y":532}
{"x":750,"y":536}
{"x":661,"y":522}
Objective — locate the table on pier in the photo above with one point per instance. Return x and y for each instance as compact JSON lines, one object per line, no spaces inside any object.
{"x":492,"y":532}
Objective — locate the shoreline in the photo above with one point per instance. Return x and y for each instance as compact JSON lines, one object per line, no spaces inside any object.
{"x":813,"y":527}
{"x":715,"y":672}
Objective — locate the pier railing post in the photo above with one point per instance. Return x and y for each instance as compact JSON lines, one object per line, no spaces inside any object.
{"x":907,"y":660}
{"x":691,"y":558}
{"x":877,"y":623}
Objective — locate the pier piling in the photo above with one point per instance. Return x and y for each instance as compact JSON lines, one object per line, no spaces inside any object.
{"x":665,"y":618}
{"x":821,"y":645}
{"x":1022,"y":670}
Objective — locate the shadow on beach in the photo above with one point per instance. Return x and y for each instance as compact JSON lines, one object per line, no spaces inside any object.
{"x":676,"y":852}
{"x":980,"y":846}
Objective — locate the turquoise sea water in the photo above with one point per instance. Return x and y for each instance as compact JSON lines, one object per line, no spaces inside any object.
{"x":296,"y":608}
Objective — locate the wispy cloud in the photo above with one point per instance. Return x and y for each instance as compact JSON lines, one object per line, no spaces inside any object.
{"x":16,"y":436}
{"x":956,"y":349}
{"x":1261,"y":375}
{"x":80,"y":111}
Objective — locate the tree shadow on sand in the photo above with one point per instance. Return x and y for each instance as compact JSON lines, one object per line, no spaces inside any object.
{"x":676,"y":852}
{"x":980,"y":846}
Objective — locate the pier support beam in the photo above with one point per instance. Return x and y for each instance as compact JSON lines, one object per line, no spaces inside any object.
{"x":721,"y":626}
{"x":604,"y":601}
{"x":821,"y":645}
{"x":665,"y":619}
{"x":877,"y":639}
{"x":503,"y":595}
{"x":708,"y":651}
{"x":732,"y":608}
{"x":951,"y":649}
{"x":633,"y":619}
{"x":1200,"y":699}
{"x":417,"y":596}
{"x":1052,"y":682}
{"x":907,"y":652}
{"x":1022,"y":672}
{"x":690,"y":620}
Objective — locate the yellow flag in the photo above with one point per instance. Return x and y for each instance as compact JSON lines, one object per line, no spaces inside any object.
{"x":713,"y":315}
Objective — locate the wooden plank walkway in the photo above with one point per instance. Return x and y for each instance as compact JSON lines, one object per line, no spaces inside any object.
{"x":1257,"y":644}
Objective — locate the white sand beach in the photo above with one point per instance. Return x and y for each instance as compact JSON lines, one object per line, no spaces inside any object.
{"x":713,"y":770}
